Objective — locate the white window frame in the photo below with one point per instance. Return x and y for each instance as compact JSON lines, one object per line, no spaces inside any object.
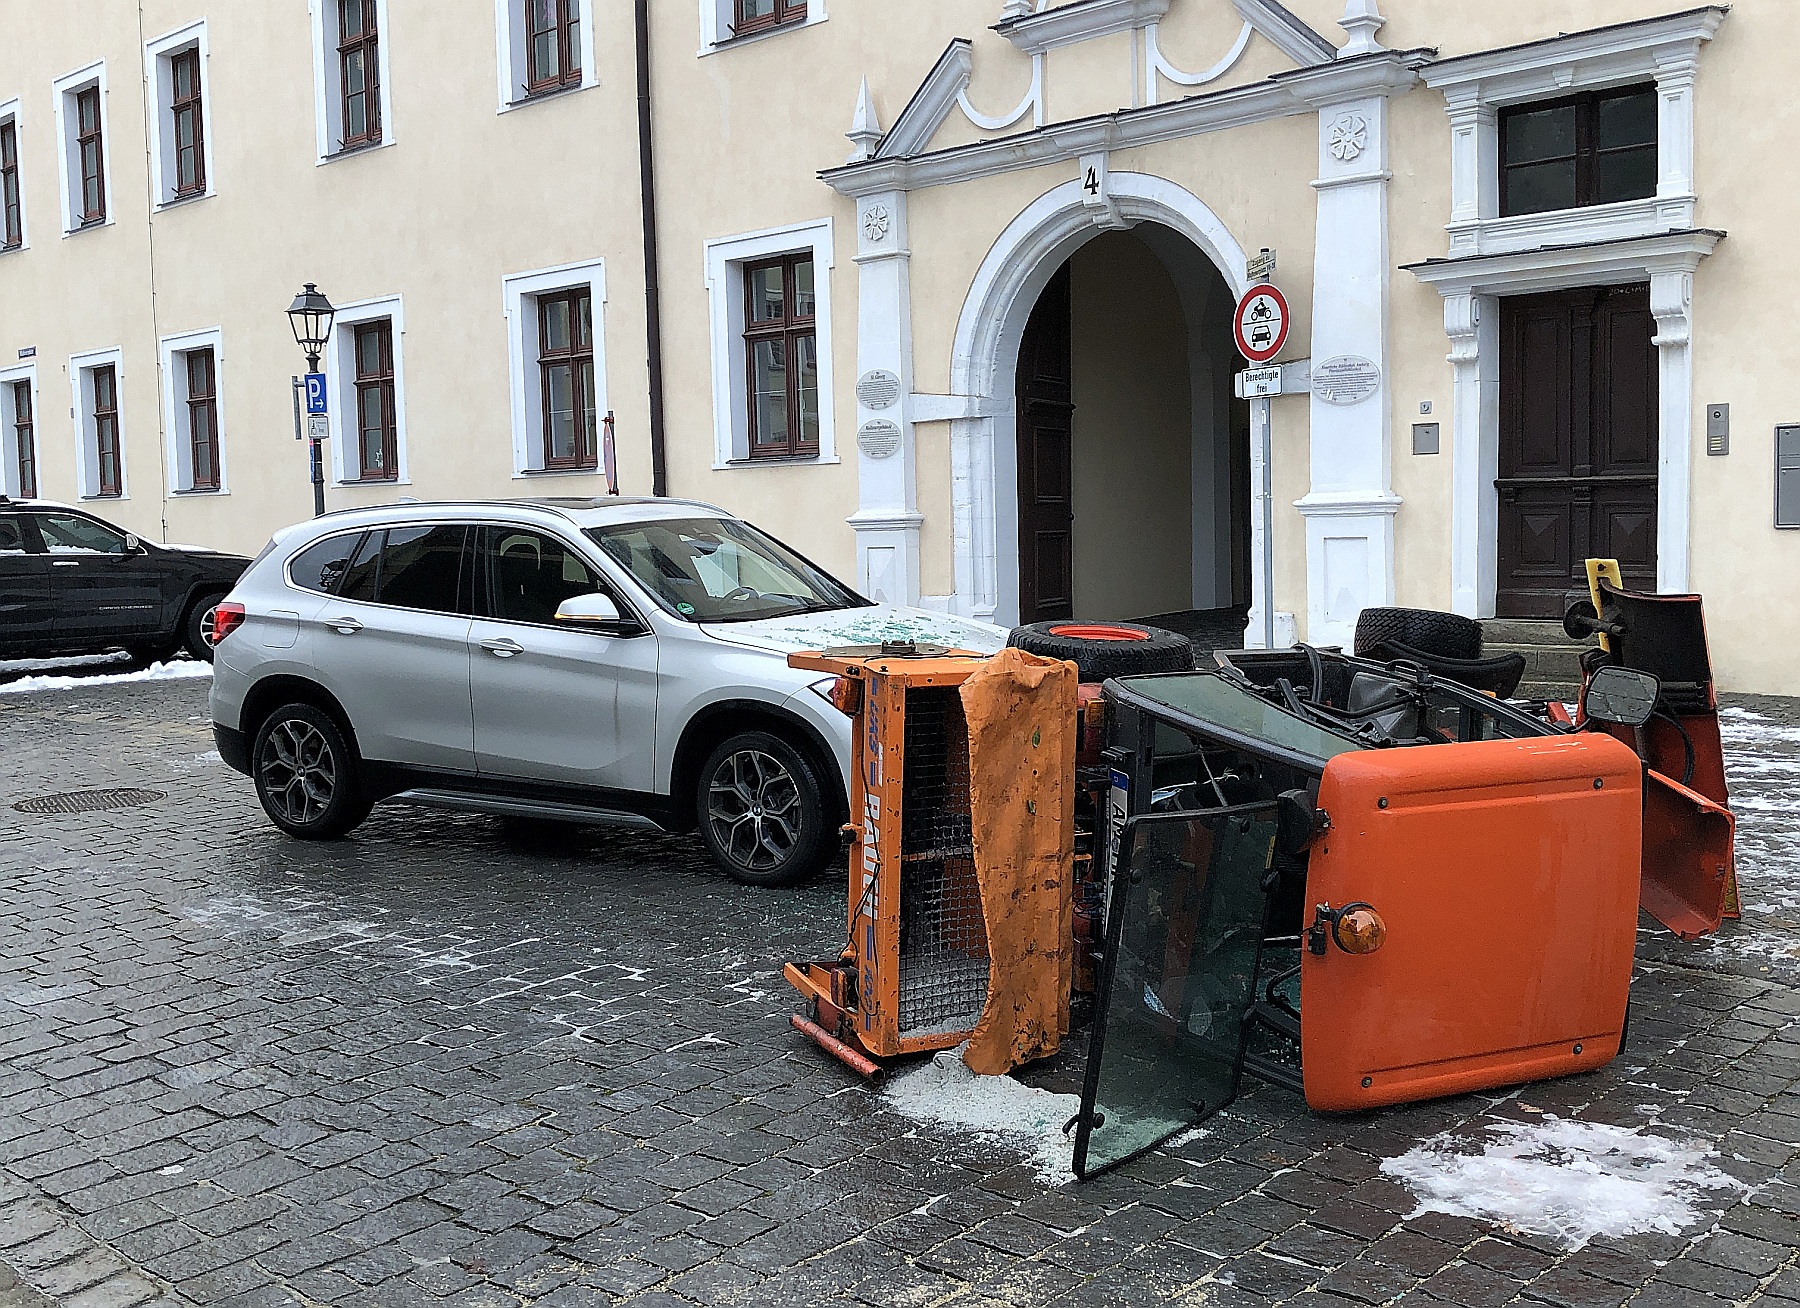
{"x":68,"y":161}
{"x":513,"y":65}
{"x":1663,"y":51}
{"x":328,"y":99}
{"x":519,"y":295}
{"x":725,"y":260}
{"x":716,"y":18}
{"x":9,"y":113}
{"x":160,"y":84}
{"x":9,"y":433}
{"x":340,"y":387}
{"x":81,"y":394}
{"x":177,"y":443}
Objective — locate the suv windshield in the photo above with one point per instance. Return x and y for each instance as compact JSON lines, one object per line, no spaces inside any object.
{"x":721,"y":570}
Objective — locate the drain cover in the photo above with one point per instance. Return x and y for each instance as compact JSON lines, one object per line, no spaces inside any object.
{"x":87,"y":801}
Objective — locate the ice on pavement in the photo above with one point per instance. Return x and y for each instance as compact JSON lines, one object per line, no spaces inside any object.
{"x":1564,"y":1180}
{"x":945,"y":1092}
{"x":155,"y":672}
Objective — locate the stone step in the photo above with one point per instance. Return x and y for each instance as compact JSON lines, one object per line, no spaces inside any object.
{"x":1552,"y":663}
{"x":1525,"y":631}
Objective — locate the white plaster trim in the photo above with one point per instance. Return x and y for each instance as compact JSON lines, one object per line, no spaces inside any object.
{"x":81,"y":396}
{"x":724,"y":260}
{"x":984,"y":357}
{"x":9,"y":432}
{"x":1594,"y":223}
{"x":715,"y":25}
{"x":1033,"y":103}
{"x":1471,"y":288}
{"x":1082,"y":21}
{"x":327,"y":90}
{"x":63,"y":90}
{"x":512,"y":65}
{"x":1287,"y":32}
{"x":518,"y":297}
{"x":340,"y":384}
{"x":177,"y":445}
{"x":10,"y":112}
{"x":1347,"y":504}
{"x":930,"y":104}
{"x":158,"y":84}
{"x":1157,"y":66}
{"x":1560,"y":64}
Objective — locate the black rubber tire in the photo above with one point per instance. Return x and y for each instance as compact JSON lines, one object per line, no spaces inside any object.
{"x":1447,"y":635}
{"x":780,"y":854}
{"x":1096,"y":660}
{"x":342,"y":809}
{"x":192,"y":623}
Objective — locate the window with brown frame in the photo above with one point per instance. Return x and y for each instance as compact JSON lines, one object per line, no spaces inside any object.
{"x":1597,"y":148}
{"x":377,"y":424}
{"x":359,"y":73}
{"x":781,"y":348}
{"x":552,"y":44}
{"x":88,"y":150}
{"x":203,"y":418}
{"x":12,"y":225}
{"x":24,"y":442}
{"x":106,"y":430}
{"x":566,"y":378}
{"x":185,"y":109}
{"x":759,"y":15}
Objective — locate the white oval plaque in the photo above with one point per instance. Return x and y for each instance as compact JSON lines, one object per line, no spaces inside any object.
{"x":878,"y":438}
{"x":1346,"y":379}
{"x":878,"y":389}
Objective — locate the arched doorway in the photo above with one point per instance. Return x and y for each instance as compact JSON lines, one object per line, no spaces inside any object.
{"x":1132,"y":456}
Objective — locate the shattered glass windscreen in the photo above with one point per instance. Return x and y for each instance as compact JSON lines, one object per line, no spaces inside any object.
{"x":1188,"y":904}
{"x":1212,"y":698}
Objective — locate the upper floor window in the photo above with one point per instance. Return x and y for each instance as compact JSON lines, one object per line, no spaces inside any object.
{"x":566,"y":378}
{"x":184,"y":108}
{"x":12,"y":219}
{"x":756,"y":15}
{"x":782,"y":356}
{"x":1597,"y":148}
{"x":377,"y":427}
{"x":203,"y":418}
{"x":105,"y":384}
{"x":553,"y":44}
{"x":359,"y":72}
{"x":175,"y":72}
{"x":88,"y":146}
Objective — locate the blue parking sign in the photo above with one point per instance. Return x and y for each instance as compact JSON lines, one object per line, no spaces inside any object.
{"x":315,"y":393}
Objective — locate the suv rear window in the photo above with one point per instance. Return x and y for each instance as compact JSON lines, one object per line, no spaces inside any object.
{"x":321,"y":566}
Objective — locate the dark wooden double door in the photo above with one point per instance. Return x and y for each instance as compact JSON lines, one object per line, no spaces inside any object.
{"x":1578,"y":444}
{"x":1046,"y":417}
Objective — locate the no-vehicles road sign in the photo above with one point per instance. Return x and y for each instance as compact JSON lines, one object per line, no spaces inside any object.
{"x":1261,"y":323}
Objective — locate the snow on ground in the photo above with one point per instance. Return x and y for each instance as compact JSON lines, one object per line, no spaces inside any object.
{"x":945,"y":1092}
{"x":1565,"y":1180}
{"x":1762,"y":769}
{"x":10,"y":667}
{"x":155,"y":672}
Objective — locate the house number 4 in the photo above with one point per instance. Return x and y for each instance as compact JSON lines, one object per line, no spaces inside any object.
{"x":1091,"y":184}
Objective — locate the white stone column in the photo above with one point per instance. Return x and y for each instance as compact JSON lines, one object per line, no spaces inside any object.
{"x":1672,"y":303}
{"x":887,"y":518}
{"x":1474,"y":168}
{"x":1472,"y":323}
{"x":1350,"y":509}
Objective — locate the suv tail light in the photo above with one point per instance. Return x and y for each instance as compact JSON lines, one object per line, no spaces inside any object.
{"x":226,"y":619}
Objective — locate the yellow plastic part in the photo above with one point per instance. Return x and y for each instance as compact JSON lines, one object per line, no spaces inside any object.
{"x":1607,"y":570}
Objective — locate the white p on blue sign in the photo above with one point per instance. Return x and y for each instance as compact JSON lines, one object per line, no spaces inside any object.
{"x":315,"y":393}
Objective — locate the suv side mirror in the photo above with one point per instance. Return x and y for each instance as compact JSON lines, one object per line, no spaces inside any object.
{"x":595,"y":609}
{"x":134,"y":546}
{"x":1622,"y":695}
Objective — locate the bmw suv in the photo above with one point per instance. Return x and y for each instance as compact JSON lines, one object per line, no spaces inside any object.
{"x":568,"y":659}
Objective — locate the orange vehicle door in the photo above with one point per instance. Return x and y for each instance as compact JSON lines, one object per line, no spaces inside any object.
{"x":1506,"y":873}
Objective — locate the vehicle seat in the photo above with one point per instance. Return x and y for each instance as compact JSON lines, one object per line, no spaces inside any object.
{"x":1497,"y":674}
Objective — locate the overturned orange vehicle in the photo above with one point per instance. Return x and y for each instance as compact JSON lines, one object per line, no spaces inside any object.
{"x":1363,"y":880}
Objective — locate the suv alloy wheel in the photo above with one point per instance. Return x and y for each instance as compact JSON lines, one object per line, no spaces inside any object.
{"x":306,"y":774}
{"x":762,"y":812}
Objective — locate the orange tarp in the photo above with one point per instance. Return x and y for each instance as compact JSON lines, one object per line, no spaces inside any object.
{"x":1021,"y":713}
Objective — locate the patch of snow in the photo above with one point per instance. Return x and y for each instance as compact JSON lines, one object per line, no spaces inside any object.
{"x":997,"y":1108}
{"x":1564,"y":1180}
{"x":10,"y":666}
{"x":155,"y":672}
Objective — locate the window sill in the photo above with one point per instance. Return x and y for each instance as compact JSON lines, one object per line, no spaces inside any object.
{"x":784,"y":461}
{"x":176,"y":201}
{"x":355,"y":483}
{"x":94,"y":226}
{"x":548,"y":93}
{"x":1519,"y":233}
{"x":102,"y":499}
{"x":532,"y":474}
{"x":352,"y":151}
{"x":201,"y":491}
{"x":13,"y":249}
{"x":761,"y":34}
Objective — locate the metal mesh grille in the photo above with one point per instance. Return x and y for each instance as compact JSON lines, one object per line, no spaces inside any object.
{"x":87,"y":801}
{"x":943,"y":939}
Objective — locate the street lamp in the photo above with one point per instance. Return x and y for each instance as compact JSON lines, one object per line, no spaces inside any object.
{"x":310,"y":316}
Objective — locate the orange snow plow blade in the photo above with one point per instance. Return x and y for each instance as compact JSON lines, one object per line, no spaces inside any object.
{"x":1687,"y":857}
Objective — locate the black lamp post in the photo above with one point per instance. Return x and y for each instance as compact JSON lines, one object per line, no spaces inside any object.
{"x":310,"y":316}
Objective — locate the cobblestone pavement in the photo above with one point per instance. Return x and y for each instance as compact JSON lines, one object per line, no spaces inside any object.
{"x":452,"y":1062}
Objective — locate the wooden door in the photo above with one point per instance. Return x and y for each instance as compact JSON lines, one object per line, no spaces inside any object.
{"x":1578,"y":444}
{"x":1046,"y":412}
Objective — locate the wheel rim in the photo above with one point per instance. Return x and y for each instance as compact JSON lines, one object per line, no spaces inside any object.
{"x":299,"y":771}
{"x":753,"y":808}
{"x":209,"y":625}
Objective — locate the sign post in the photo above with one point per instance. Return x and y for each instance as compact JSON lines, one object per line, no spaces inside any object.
{"x":1260,"y":327}
{"x":318,"y":430}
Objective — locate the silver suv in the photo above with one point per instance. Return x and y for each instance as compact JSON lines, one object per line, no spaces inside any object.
{"x":568,"y":659}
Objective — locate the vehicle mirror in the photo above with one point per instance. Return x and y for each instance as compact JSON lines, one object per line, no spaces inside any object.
{"x":133,"y":545}
{"x":595,"y":608}
{"x":1622,"y":695}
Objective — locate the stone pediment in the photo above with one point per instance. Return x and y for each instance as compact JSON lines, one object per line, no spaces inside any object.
{"x":1244,"y":41}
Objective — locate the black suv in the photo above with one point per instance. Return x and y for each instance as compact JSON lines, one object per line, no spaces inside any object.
{"x":73,"y":584}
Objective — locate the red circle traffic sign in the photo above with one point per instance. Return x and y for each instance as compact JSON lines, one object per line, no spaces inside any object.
{"x":1261,"y":323}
